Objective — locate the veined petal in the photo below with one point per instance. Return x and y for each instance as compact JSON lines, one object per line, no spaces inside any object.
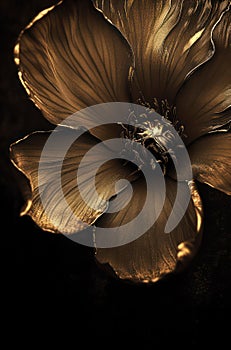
{"x":70,"y":57}
{"x":211,"y":160}
{"x":169,"y":40}
{"x":203,"y":104}
{"x":64,"y":200}
{"x":156,"y":253}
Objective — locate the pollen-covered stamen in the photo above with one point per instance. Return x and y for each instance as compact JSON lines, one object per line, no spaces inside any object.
{"x":169,"y":112}
{"x":156,"y":134}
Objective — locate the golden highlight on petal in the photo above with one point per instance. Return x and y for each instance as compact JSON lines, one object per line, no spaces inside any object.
{"x":197,"y":204}
{"x":16,"y":54}
{"x":187,"y":249}
{"x":27,"y":207}
{"x":183,"y":250}
{"x":193,"y":40}
{"x":43,"y":13}
{"x":23,"y":81}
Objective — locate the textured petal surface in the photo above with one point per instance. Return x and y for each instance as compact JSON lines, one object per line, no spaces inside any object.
{"x":211,"y":160}
{"x":70,"y":58}
{"x":203,"y":104}
{"x":155,"y":253}
{"x":169,"y":39}
{"x":66,"y":209}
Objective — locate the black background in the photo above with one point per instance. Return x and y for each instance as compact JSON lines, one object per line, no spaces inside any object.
{"x":48,"y":274}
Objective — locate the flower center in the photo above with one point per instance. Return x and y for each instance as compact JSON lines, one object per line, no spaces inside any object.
{"x":157,"y":133}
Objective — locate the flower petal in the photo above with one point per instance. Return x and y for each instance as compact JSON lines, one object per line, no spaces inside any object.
{"x":211,"y":160}
{"x":203,"y":102}
{"x":70,"y":57}
{"x":60,"y":202}
{"x":169,"y":39}
{"x":155,"y":253}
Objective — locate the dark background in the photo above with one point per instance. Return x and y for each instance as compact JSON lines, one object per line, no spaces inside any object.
{"x":47,"y":274}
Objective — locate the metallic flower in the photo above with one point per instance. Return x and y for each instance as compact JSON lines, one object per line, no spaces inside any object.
{"x":171,"y":56}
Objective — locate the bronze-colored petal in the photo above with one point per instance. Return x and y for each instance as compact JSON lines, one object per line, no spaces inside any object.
{"x":169,"y":39}
{"x":211,"y":160}
{"x":204,"y":101}
{"x":70,"y":57}
{"x":156,"y":253}
{"x":57,"y":203}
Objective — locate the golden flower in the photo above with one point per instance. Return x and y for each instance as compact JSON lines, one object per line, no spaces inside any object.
{"x":171,"y":56}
